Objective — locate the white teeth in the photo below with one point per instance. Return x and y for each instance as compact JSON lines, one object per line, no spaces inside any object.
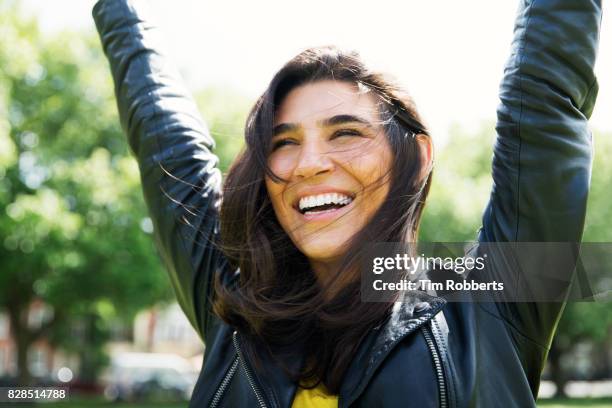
{"x":322,"y":199}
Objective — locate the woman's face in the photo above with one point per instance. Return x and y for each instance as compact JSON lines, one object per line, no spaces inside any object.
{"x":330,"y":147}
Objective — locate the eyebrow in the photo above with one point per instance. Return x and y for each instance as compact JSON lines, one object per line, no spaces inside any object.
{"x":331,"y":121}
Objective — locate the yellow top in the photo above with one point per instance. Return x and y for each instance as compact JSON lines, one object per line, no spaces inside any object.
{"x":317,"y":397}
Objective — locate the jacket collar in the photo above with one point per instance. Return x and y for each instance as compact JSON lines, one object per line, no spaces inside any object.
{"x":416,"y":309}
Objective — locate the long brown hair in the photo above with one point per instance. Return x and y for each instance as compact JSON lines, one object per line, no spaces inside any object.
{"x":277,"y":302}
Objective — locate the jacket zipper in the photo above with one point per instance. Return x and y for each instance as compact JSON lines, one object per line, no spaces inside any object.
{"x":247,"y":370}
{"x":239,"y":359}
{"x":438,"y":364}
{"x":223,"y":386}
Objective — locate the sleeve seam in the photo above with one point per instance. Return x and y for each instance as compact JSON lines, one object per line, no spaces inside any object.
{"x":522,"y":46}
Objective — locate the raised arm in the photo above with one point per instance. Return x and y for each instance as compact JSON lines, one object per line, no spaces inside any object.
{"x":543,"y":153}
{"x":180,"y":181}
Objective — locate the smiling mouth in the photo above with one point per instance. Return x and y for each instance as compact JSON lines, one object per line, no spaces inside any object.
{"x":323,"y":203}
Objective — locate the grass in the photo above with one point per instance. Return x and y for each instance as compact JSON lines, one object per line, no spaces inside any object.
{"x":90,"y":404}
{"x":99,"y":402}
{"x":109,"y":405}
{"x":96,"y":403}
{"x":577,"y":402}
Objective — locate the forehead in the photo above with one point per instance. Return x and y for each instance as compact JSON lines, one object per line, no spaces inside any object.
{"x":308,"y":104}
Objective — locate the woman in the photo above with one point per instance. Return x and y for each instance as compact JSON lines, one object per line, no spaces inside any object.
{"x":336,"y":156}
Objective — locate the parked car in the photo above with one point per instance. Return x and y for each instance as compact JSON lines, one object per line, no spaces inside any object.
{"x":149,"y":377}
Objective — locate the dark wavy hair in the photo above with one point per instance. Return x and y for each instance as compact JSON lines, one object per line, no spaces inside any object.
{"x":276,"y":302}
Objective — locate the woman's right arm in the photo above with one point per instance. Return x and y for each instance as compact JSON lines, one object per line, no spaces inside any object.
{"x":173,"y":147}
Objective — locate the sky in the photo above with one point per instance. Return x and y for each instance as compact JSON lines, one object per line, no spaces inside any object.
{"x":449,"y":54}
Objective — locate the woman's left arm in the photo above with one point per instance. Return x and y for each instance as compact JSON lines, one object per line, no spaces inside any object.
{"x":543,"y":152}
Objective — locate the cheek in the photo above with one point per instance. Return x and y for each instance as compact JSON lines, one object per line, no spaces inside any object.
{"x":281,"y":165}
{"x":283,"y":162}
{"x":370,"y":165}
{"x":280,"y":207}
{"x":275,"y":193}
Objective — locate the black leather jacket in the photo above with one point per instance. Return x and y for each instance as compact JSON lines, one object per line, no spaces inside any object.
{"x":430,"y":353}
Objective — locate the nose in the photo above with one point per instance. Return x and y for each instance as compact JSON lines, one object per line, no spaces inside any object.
{"x":314,"y":159}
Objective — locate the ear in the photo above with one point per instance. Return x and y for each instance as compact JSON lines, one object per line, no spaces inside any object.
{"x":426,"y":152}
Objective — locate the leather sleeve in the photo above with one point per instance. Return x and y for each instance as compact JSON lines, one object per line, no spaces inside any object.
{"x":173,"y":147}
{"x":543,"y":151}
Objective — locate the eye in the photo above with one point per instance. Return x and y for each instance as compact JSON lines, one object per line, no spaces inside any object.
{"x":346,"y":132}
{"x":282,"y":142}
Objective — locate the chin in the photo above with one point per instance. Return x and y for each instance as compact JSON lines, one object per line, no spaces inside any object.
{"x":323,"y":249}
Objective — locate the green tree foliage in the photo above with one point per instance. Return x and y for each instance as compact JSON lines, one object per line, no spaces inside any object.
{"x":589,"y":321}
{"x":73,"y":225}
{"x":461,"y":186}
{"x":225,"y":112}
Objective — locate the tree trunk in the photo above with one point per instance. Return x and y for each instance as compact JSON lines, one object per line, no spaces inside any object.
{"x":23,"y":341}
{"x":556,"y":370}
{"x":93,"y":357}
